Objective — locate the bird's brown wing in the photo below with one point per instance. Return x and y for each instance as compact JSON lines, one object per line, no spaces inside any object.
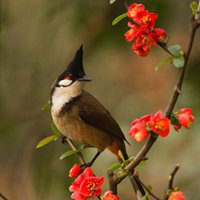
{"x":92,"y":112}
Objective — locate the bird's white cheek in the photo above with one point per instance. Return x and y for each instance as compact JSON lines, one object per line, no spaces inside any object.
{"x":65,"y":82}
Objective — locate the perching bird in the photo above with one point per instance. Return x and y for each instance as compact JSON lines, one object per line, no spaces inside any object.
{"x":81,"y":117}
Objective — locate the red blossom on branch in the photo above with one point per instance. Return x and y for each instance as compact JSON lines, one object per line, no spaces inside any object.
{"x":148,"y":124}
{"x":183,"y":117}
{"x":143,"y":30}
{"x":110,"y":196}
{"x":139,"y":128}
{"x":160,"y":125}
{"x":74,"y":171}
{"x":86,"y":185}
{"x":177,"y":196}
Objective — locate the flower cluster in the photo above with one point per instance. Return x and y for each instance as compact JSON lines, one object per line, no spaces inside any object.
{"x":184,"y":117}
{"x":177,"y":196}
{"x":159,"y":125}
{"x":141,"y":128}
{"x":86,"y":185}
{"x":143,"y":30}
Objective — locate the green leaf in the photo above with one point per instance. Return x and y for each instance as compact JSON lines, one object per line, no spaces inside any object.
{"x":179,"y":61}
{"x":163,"y":62}
{"x":166,"y":40}
{"x":142,"y":163}
{"x":175,"y":49}
{"x":194,"y":7}
{"x":46,"y":140}
{"x":114,"y":166}
{"x":119,"y":18}
{"x":69,"y":153}
{"x":149,"y":188}
{"x":144,"y":198}
{"x":55,"y":130}
{"x":46,"y":106}
{"x":122,"y":174}
{"x":112,"y":1}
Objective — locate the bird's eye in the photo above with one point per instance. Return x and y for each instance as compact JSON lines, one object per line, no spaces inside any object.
{"x":68,"y":78}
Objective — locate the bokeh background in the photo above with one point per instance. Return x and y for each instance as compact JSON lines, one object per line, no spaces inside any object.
{"x":37,"y":40}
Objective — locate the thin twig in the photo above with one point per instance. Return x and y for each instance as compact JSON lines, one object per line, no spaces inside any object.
{"x":171,"y":181}
{"x":3,"y":197}
{"x":171,"y":177}
{"x":79,"y":154}
{"x":125,"y":4}
{"x":147,"y":189}
{"x":165,"y":48}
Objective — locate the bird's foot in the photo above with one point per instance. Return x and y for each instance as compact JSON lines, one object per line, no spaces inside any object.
{"x":63,"y":139}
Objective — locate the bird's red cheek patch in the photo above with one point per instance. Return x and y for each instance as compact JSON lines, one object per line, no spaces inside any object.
{"x":68,"y":78}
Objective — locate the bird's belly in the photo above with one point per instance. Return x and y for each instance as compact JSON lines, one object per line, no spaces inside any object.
{"x":77,"y":130}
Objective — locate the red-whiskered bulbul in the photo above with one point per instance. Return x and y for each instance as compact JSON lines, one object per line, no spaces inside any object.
{"x":81,"y":117}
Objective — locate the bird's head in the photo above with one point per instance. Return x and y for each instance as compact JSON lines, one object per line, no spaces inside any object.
{"x":74,"y":71}
{"x":70,"y":83}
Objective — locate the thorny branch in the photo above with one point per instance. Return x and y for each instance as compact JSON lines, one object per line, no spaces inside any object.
{"x":3,"y":197}
{"x":171,"y":180}
{"x":114,"y":180}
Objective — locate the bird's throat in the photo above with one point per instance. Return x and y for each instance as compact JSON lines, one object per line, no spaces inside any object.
{"x":63,"y":95}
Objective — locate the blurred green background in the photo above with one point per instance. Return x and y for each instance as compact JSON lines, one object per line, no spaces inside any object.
{"x":38,"y":39}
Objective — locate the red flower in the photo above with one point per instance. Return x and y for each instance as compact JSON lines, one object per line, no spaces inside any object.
{"x":74,"y":171}
{"x":185,"y":117}
{"x":143,"y":31}
{"x":143,"y":42}
{"x":133,"y":10}
{"x":86,"y":185}
{"x":160,"y":125}
{"x":132,"y":33}
{"x":177,"y":196}
{"x":146,"y":19}
{"x":110,"y":196}
{"x":141,"y":16}
{"x":139,"y":129}
{"x":159,"y":34}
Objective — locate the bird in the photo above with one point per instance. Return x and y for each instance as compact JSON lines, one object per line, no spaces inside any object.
{"x":80,"y":117}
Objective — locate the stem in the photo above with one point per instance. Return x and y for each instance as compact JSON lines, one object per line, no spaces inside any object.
{"x":179,"y":83}
{"x":125,"y":4}
{"x":172,"y":175}
{"x":147,"y":189}
{"x":3,"y":197}
{"x":165,"y":48}
{"x":171,"y":180}
{"x":79,"y":154}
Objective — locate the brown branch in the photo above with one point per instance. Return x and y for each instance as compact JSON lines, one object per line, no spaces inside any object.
{"x":73,"y":147}
{"x":147,"y":189}
{"x":171,"y":181}
{"x":3,"y":197}
{"x":165,"y":48}
{"x":113,"y":181}
{"x":171,"y":177}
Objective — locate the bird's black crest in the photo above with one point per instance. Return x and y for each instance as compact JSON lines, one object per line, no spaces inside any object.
{"x":75,"y":68}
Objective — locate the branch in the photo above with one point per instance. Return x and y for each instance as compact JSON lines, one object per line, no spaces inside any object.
{"x":3,"y":197}
{"x":125,"y":4}
{"x":73,"y":147}
{"x":172,"y":175}
{"x":169,"y":109}
{"x":171,"y":180}
{"x":147,"y":189}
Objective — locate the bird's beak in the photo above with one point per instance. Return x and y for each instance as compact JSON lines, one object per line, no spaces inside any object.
{"x":85,"y":78}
